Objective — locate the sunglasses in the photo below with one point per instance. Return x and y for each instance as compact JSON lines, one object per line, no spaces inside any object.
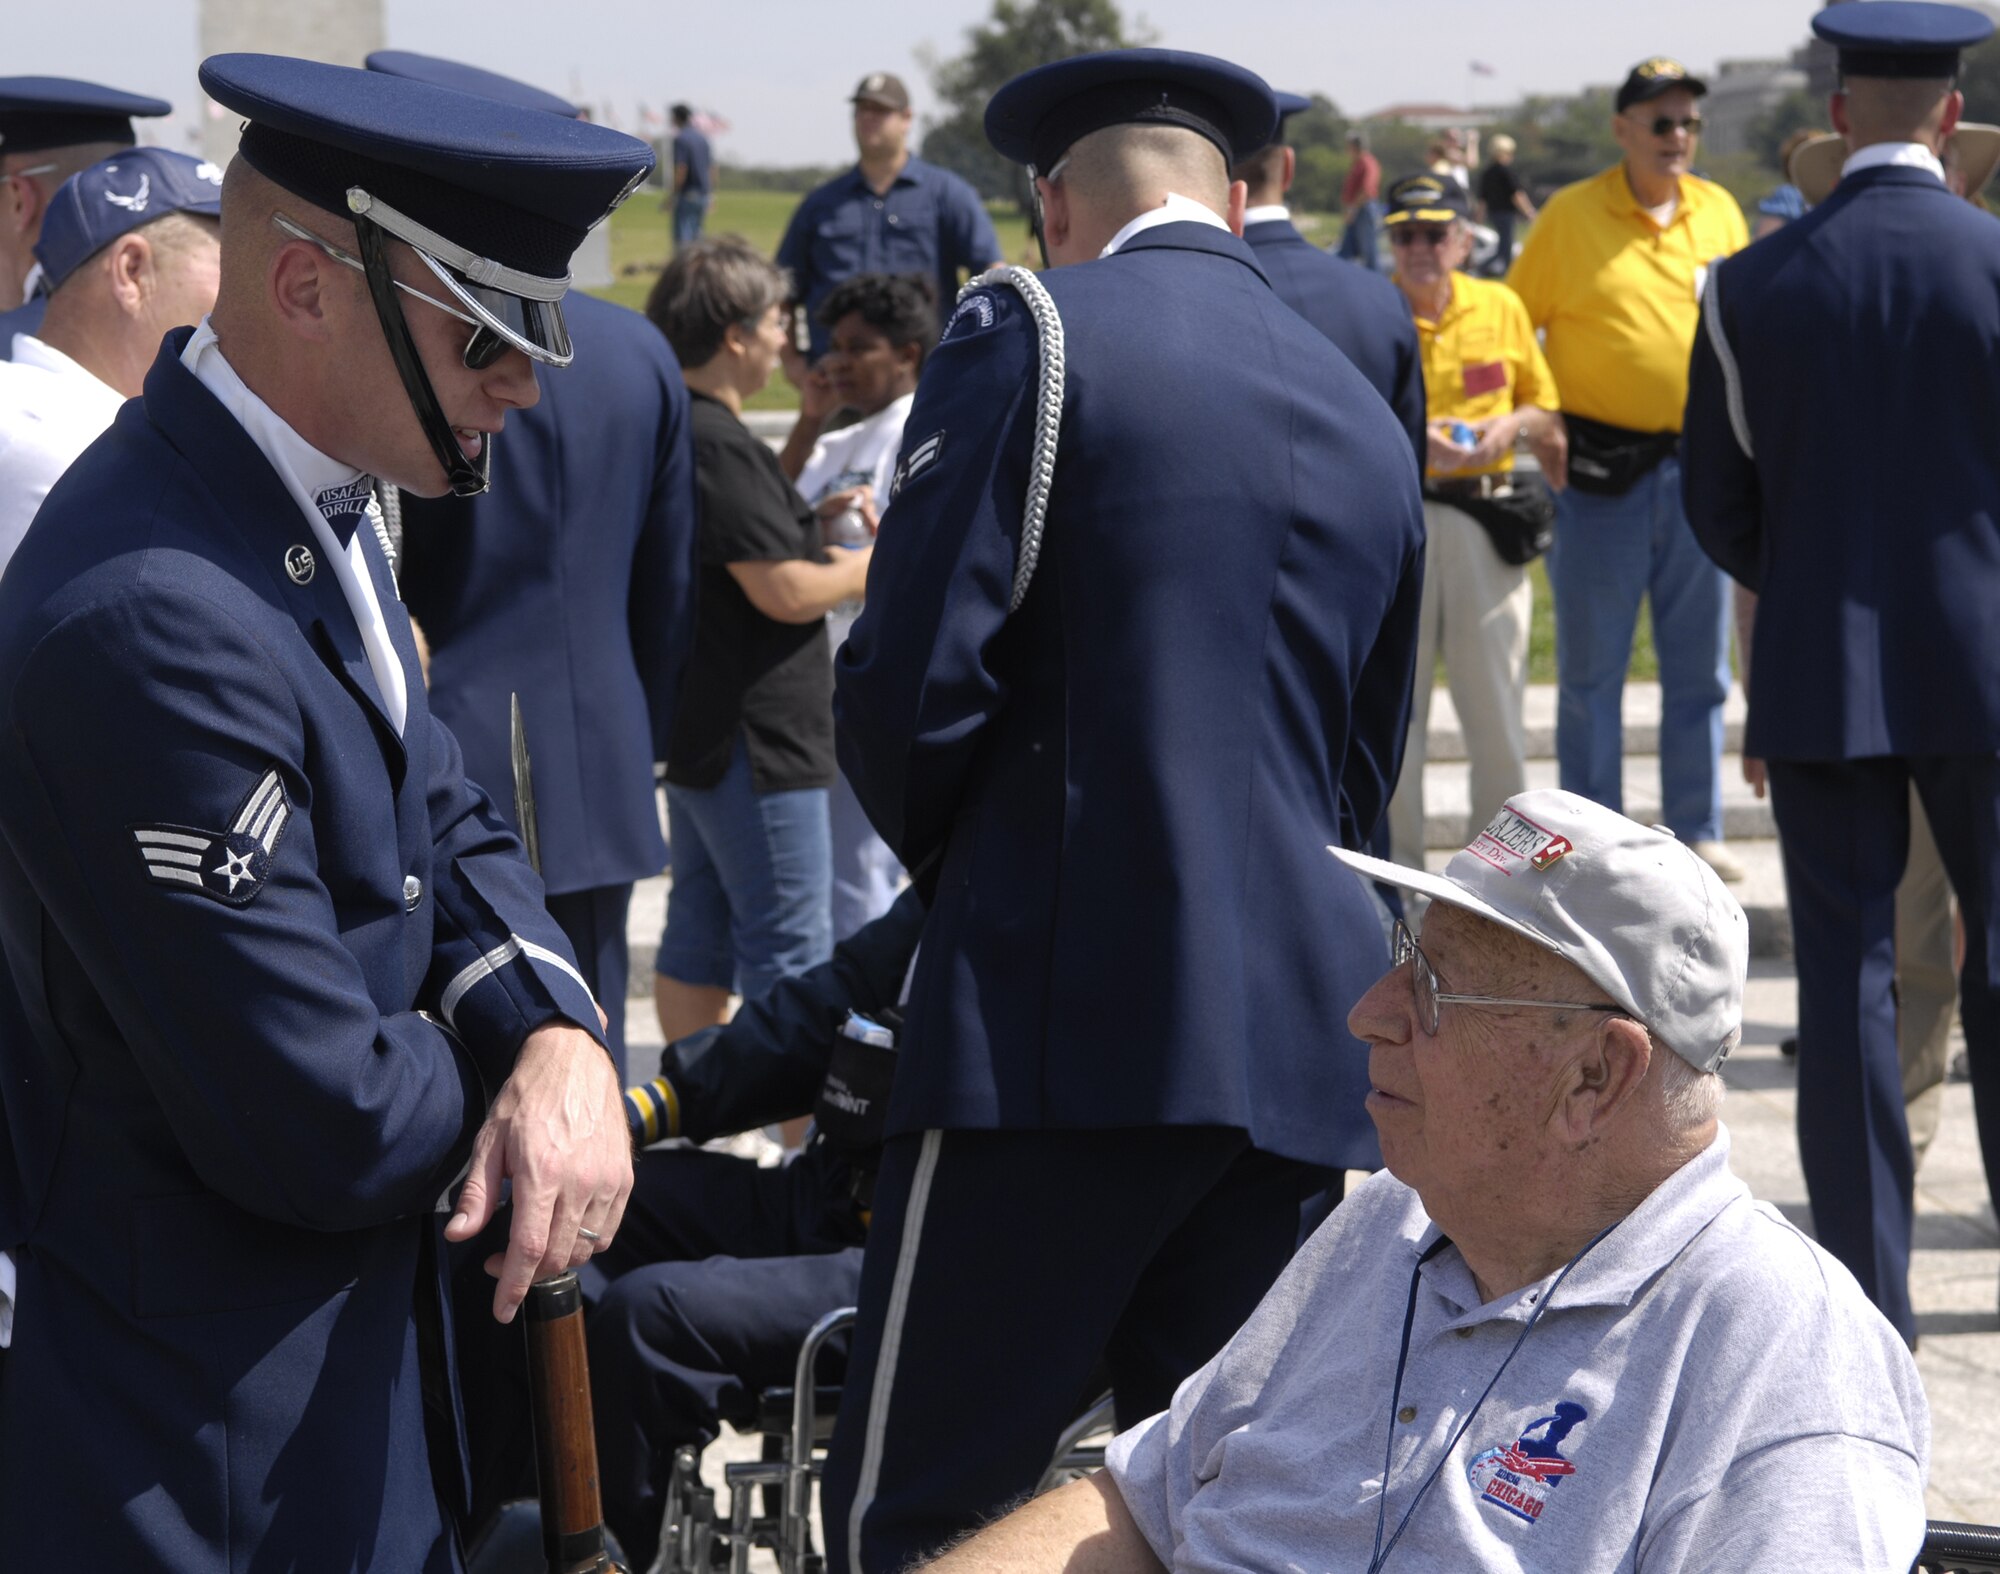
{"x":1424,"y":988}
{"x":482,"y":349}
{"x":1666,"y":125}
{"x":1409,"y":235}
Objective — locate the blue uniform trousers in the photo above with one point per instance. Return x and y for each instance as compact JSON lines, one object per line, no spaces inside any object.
{"x":1610,"y":553}
{"x":595,"y":923}
{"x":1004,"y":1268}
{"x":1845,"y":829}
{"x":716,"y":1276}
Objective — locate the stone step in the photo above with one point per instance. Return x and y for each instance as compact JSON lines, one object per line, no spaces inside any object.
{"x":1538,"y":714}
{"x":1448,"y":798}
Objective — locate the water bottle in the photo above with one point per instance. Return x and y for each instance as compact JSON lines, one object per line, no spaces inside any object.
{"x":848,"y":529}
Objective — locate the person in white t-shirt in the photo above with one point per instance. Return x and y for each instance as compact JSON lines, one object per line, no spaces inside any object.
{"x":131,"y":247}
{"x":880,"y":327}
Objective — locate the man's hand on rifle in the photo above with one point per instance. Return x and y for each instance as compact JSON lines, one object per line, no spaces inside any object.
{"x":558,"y":1132}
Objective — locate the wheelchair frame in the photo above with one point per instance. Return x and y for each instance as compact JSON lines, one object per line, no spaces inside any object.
{"x":692,"y":1541}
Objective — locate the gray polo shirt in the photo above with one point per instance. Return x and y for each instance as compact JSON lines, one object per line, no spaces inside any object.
{"x":1707,"y":1390}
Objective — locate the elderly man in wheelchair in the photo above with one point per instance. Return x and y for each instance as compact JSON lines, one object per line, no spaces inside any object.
{"x":1556,"y":1332}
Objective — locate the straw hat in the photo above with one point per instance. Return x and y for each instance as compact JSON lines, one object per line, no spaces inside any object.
{"x":1814,"y":166}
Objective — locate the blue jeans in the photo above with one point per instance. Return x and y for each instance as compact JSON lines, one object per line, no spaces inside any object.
{"x":690,"y":211}
{"x":1609,"y":553}
{"x":752,"y":897}
{"x":1360,"y":241}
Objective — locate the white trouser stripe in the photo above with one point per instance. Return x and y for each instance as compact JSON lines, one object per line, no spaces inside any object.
{"x":892,"y":1342}
{"x":492,"y":962}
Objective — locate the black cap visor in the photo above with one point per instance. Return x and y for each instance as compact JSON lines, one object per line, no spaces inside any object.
{"x":535,"y":328}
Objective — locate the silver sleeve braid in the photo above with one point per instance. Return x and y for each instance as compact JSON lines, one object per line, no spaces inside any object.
{"x":1048,"y":416}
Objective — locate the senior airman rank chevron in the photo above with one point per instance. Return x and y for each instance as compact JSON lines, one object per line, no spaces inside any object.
{"x":230,"y":866}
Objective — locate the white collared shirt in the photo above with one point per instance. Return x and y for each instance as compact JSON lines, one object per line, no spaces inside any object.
{"x":51,"y":410}
{"x":1267,"y":213}
{"x":1175,"y":210}
{"x":313,"y":478}
{"x":1911,"y":155}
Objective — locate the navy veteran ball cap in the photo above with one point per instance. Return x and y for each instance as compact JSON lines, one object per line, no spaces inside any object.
{"x":96,"y":205}
{"x":440,"y":72}
{"x":1426,"y":199}
{"x":1901,"y":38}
{"x":1651,"y":78}
{"x":1036,"y":118}
{"x":57,"y":112}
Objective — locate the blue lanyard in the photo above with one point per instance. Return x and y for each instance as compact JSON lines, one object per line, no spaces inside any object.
{"x":1381,"y":1553}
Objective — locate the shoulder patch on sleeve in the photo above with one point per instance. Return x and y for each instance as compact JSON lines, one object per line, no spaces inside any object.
{"x":976,"y":312}
{"x":228,"y":866}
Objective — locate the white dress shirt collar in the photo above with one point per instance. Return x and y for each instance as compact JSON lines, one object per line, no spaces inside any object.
{"x":1175,"y":210}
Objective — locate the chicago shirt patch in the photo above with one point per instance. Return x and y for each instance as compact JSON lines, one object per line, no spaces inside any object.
{"x":230,"y":866}
{"x":1518,"y":1478}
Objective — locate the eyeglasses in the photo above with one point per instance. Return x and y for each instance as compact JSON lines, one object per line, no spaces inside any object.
{"x":32,"y":169}
{"x":1666,"y":125}
{"x":1409,"y":235}
{"x":481,"y":350}
{"x":1424,"y":987}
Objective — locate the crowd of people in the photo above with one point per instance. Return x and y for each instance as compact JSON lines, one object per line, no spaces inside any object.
{"x":1041,"y":730}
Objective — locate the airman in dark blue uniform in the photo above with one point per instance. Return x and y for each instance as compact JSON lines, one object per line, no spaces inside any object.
{"x":284,"y":968}
{"x":1840,"y":462}
{"x":1359,"y":310}
{"x":571,"y":583}
{"x":1125,"y":1066}
{"x":50,"y":127}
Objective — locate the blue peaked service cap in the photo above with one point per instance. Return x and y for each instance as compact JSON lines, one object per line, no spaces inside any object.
{"x":439,"y":72}
{"x":501,"y":195}
{"x":96,"y":205}
{"x":1036,"y":118}
{"x":60,"y":112}
{"x":1901,"y":38}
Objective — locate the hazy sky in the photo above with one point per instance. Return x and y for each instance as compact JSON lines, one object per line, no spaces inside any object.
{"x":780,"y":70}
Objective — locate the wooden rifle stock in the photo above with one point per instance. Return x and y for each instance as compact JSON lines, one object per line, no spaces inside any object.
{"x":565,"y":1440}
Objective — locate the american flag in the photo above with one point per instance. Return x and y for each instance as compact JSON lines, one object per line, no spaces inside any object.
{"x":1480,"y":68}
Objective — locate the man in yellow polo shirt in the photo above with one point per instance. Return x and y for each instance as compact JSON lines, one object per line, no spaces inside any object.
{"x":1485,"y":384}
{"x":1612,"y":273}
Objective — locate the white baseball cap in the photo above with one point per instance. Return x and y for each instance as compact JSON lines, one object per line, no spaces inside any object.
{"x":1634,"y":908}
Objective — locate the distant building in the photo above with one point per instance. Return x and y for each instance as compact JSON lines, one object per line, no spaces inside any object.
{"x":1740,"y":94}
{"x":1433,"y":117}
{"x":342,"y":32}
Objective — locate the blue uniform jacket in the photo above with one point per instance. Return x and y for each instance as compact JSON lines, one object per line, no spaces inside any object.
{"x":572,"y":583}
{"x":1844,"y":462}
{"x":1129,"y":784}
{"x":25,"y":318}
{"x":275,"y":960}
{"x":1365,"y":316}
{"x":929,"y":221}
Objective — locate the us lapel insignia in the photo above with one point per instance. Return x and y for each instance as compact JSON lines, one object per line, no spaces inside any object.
{"x":299,"y":564}
{"x":230,"y":866}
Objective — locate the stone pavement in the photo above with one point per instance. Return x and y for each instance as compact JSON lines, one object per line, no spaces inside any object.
{"x":1956,"y":1274}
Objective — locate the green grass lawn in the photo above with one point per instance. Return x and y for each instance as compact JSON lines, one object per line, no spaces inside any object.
{"x":642,"y":236}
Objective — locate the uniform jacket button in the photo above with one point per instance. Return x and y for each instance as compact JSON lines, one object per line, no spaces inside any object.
{"x":413,"y":892}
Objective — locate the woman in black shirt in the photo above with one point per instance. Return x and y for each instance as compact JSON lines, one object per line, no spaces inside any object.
{"x":751,"y":754}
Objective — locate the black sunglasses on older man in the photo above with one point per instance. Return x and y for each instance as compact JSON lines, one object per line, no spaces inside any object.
{"x":1666,"y":125}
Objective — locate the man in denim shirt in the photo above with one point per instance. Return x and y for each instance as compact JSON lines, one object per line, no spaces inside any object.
{"x":891,"y":213}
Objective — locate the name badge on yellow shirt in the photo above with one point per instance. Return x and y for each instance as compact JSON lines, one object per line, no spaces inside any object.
{"x":1485,"y":378}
